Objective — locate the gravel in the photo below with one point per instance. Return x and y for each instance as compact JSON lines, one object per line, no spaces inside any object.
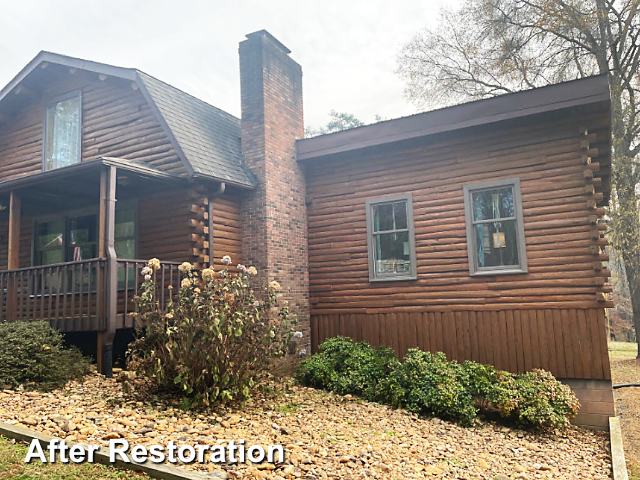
{"x":325,"y":436}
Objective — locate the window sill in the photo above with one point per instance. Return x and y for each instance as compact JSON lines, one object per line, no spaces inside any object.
{"x":392,"y":279}
{"x":509,"y":271}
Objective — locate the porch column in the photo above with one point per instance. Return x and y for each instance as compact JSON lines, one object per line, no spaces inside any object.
{"x":106,"y":248}
{"x":13,"y":260}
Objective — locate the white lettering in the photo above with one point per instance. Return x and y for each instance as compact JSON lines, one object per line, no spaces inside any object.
{"x":157,"y":454}
{"x":201,"y":450}
{"x":181,"y":454}
{"x":77,"y":454}
{"x":271,"y":456}
{"x":35,"y":451}
{"x":118,"y":450}
{"x":253,"y":458}
{"x":172,"y":452}
{"x":139,"y":454}
{"x":217,"y":455}
{"x":91,"y":450}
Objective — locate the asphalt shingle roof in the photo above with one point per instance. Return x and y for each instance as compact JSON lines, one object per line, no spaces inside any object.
{"x":208,"y":137}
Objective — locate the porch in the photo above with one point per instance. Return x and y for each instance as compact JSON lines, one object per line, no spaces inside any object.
{"x":73,"y":258}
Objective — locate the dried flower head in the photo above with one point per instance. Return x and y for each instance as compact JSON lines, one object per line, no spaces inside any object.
{"x":297,"y":335}
{"x":146,"y":271}
{"x":275,"y":286}
{"x":303,"y":352}
{"x":207,"y":274}
{"x":147,"y":278}
{"x":242,"y":268}
{"x":154,"y":263}
{"x":256,"y":304}
{"x":169,"y":315}
{"x":226,"y":260}
{"x":185,"y":267}
{"x":185,"y":283}
{"x":252,"y":271}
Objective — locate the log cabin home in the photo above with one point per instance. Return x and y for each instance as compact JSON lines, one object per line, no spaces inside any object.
{"x":475,"y":230}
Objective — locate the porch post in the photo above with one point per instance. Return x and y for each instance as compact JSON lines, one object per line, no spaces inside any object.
{"x":102,"y":253}
{"x":14,"y":231}
{"x":111,"y":298}
{"x":13,"y":260}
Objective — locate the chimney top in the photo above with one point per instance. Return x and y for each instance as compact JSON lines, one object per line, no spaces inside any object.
{"x":264,"y":35}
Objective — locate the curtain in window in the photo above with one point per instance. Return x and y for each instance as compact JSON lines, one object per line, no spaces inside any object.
{"x":63,"y":134}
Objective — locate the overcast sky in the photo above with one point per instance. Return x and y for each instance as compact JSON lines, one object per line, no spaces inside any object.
{"x":347,"y":48}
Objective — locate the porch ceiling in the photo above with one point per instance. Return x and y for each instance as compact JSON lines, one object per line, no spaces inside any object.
{"x":79,"y":185}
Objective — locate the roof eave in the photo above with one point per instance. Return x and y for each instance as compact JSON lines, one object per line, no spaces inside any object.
{"x":506,"y":107}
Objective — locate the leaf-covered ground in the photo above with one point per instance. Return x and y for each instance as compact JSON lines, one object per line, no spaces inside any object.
{"x":324,"y":435}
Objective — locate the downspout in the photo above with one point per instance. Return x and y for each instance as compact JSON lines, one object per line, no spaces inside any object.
{"x":212,"y":196}
{"x":112,"y":273}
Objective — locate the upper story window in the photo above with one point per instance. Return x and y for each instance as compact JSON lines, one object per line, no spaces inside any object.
{"x":390,"y":238}
{"x":62,"y":133}
{"x":495,"y":233}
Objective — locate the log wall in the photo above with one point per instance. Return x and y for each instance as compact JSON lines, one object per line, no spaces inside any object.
{"x":226,"y":231}
{"x":558,"y":166}
{"x":117,"y":122}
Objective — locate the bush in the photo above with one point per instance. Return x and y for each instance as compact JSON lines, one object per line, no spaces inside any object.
{"x":217,"y":338}
{"x":345,"y":366}
{"x":535,"y":399}
{"x":33,"y":354}
{"x":427,"y":383}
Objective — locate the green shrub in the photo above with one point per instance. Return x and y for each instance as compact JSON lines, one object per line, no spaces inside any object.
{"x":427,"y":383}
{"x":535,"y":399}
{"x":32,"y":353}
{"x":217,"y":338}
{"x":346,"y":366}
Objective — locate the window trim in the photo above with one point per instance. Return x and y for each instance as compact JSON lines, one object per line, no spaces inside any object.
{"x":373,"y":277}
{"x":52,"y":102}
{"x":474,"y":269}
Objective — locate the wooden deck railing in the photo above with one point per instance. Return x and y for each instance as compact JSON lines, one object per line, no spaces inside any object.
{"x":129,"y":279}
{"x":72,"y":295}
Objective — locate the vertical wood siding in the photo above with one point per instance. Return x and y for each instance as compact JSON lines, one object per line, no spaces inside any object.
{"x":570,"y":343}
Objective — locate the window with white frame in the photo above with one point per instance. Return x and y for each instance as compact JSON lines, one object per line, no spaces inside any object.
{"x":390,"y":238}
{"x":62,"y":132}
{"x":495,"y":232}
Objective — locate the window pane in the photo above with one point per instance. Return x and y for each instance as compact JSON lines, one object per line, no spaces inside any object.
{"x":382,"y":217}
{"x":83,"y":229}
{"x":392,"y":253}
{"x":125,"y":224}
{"x":50,"y":256}
{"x":496,"y":203}
{"x":62,"y":142}
{"x":497,"y":244}
{"x":49,"y":235}
{"x":84,"y":252}
{"x":126,"y":249}
{"x":400,"y":215}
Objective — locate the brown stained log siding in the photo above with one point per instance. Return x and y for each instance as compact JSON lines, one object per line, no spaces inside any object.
{"x":163,"y":227}
{"x":117,"y":122}
{"x":548,"y":163}
{"x":549,"y":317}
{"x":227,"y":231}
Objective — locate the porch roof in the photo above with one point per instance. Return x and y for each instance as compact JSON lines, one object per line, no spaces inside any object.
{"x":75,"y":184}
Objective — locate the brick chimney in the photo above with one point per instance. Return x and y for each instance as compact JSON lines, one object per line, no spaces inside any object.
{"x":274,"y":214}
